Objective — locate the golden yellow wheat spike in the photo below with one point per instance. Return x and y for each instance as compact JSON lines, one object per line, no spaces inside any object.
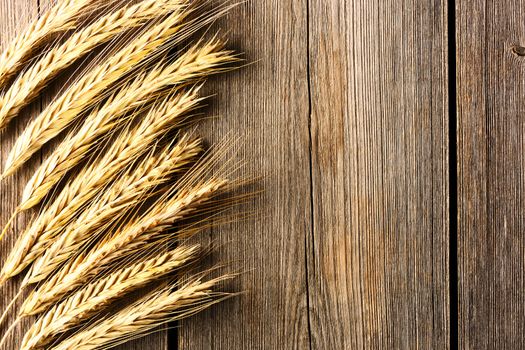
{"x":130,"y":144}
{"x":95,"y":296}
{"x":155,"y":309}
{"x":197,"y":62}
{"x":75,"y":272}
{"x":29,"y":84}
{"x":88,"y":89}
{"x":113,"y":203}
{"x":65,"y":15}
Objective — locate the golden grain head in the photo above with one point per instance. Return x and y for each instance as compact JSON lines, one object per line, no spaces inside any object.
{"x":188,"y":198}
{"x":93,"y":179}
{"x":119,"y":221}
{"x":131,"y":237}
{"x":87,"y":91}
{"x":97,"y":295}
{"x":28,"y":85}
{"x":157,"y":308}
{"x":124,"y":194}
{"x":199,"y":61}
{"x":65,"y":15}
{"x":91,"y":88}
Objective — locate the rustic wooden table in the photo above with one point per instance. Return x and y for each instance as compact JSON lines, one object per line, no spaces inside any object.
{"x":390,"y":137}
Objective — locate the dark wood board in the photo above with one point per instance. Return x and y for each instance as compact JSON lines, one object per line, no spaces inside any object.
{"x":490,"y":90}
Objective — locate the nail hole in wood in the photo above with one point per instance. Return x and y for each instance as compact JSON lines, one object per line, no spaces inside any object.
{"x":518,"y":50}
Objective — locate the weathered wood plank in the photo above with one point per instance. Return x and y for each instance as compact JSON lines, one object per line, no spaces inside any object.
{"x":267,"y":104}
{"x":378,"y":257}
{"x":491,"y":86}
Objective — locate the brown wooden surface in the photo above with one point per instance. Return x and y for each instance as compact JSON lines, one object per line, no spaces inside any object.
{"x":377,"y":253}
{"x":491,"y":87}
{"x":378,"y":257}
{"x":345,"y":115}
{"x":267,"y":103}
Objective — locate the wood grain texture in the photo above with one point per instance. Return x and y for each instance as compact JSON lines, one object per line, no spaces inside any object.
{"x":345,"y":116}
{"x":490,"y":90}
{"x":378,"y":257}
{"x":267,"y":104}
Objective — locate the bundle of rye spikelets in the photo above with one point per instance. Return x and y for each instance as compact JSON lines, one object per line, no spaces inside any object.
{"x":118,"y":198}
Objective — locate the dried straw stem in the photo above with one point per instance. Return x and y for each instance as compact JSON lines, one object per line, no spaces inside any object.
{"x":113,"y":203}
{"x":95,"y":296}
{"x":90,"y":181}
{"x":155,"y":309}
{"x":65,"y":15}
{"x":29,"y":84}
{"x":75,"y":272}
{"x":198,"y":61}
{"x":88,"y":90}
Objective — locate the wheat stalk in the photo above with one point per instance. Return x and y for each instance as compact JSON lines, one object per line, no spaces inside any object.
{"x":198,"y":61}
{"x":113,"y":203}
{"x":63,"y":16}
{"x":89,"y":88}
{"x":29,"y":84}
{"x":157,"y":308}
{"x":130,"y":237}
{"x":90,"y":181}
{"x":95,"y":296}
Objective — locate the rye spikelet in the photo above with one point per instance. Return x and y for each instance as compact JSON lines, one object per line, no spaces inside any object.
{"x":132,"y":236}
{"x":198,"y":61}
{"x":91,"y":180}
{"x":89,"y":88}
{"x":65,"y":15}
{"x":113,"y":203}
{"x":155,"y":309}
{"x":95,"y":296}
{"x":29,"y":84}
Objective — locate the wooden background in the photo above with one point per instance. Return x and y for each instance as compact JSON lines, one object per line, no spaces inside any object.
{"x":390,"y":137}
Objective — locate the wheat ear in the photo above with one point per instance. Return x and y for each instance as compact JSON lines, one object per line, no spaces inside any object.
{"x":88,"y":89}
{"x":113,"y":203}
{"x":65,"y":15}
{"x":90,"y":181}
{"x":29,"y":84}
{"x":155,"y":309}
{"x":198,"y":61}
{"x":131,"y":236}
{"x":95,"y":296}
